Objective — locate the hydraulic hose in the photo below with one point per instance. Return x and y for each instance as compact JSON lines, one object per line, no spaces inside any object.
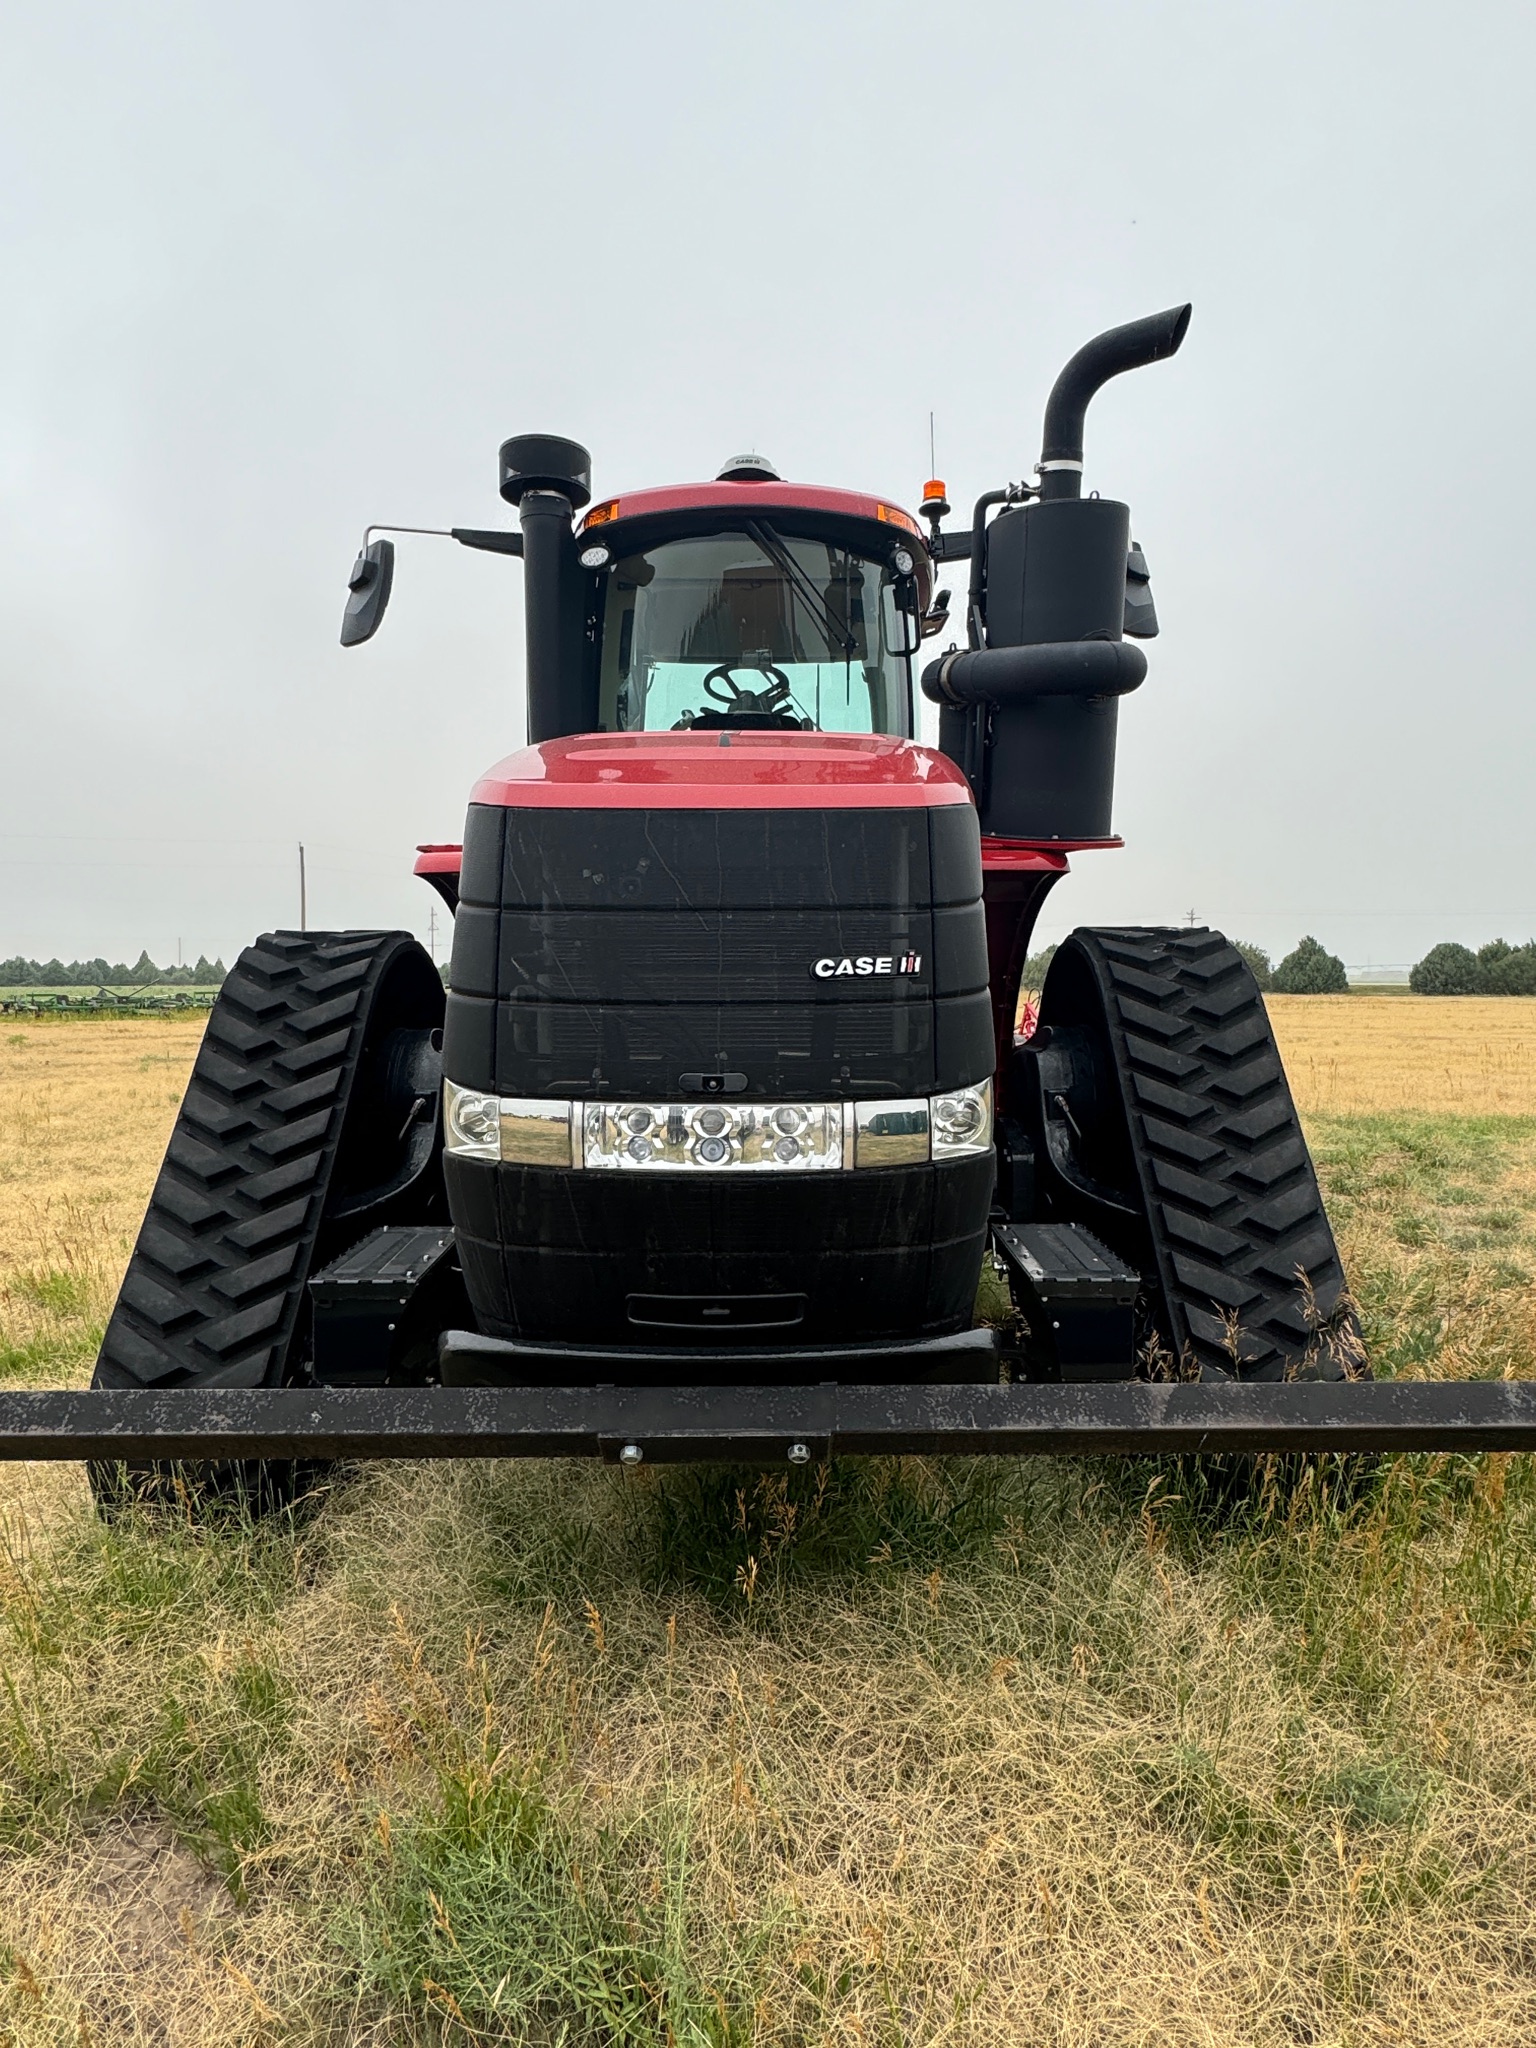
{"x":1106,"y":356}
{"x":973,"y":599}
{"x":1054,"y":668}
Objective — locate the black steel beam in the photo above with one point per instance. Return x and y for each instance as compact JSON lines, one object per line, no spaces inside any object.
{"x":672,"y":1423}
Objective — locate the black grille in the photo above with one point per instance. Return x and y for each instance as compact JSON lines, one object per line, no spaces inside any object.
{"x":629,"y":948}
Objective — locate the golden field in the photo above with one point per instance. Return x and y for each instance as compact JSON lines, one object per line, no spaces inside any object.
{"x":1440,"y":1055}
{"x":915,"y":1752}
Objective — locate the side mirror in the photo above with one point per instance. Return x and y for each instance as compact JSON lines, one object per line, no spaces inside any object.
{"x":368,"y":587}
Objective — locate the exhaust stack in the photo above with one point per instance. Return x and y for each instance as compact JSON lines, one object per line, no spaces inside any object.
{"x":1130,"y":347}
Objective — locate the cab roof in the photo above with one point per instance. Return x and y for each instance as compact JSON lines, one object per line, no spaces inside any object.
{"x":758,"y":498}
{"x":670,"y":511}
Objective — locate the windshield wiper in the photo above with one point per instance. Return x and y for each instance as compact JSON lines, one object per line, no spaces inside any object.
{"x":773,"y":547}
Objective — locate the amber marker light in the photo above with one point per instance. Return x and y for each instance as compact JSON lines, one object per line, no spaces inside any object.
{"x":894,"y":516}
{"x":601,"y":514}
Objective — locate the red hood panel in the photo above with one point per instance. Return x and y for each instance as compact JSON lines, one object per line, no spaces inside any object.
{"x":724,"y":771}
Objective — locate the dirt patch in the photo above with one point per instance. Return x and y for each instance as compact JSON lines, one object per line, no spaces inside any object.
{"x":124,"y":1942}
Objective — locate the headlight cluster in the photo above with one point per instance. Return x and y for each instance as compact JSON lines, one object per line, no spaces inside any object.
{"x":803,"y":1137}
{"x":718,"y":1137}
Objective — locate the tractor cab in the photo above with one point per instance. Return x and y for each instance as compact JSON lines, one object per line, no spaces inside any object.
{"x":748,"y":604}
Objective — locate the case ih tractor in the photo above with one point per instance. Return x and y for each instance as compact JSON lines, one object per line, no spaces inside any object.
{"x":704,"y":1150}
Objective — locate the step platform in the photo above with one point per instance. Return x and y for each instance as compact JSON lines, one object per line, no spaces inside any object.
{"x":1078,"y":1299}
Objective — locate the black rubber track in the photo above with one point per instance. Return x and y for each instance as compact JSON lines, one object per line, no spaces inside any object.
{"x":214,"y":1292}
{"x":1249,"y":1273}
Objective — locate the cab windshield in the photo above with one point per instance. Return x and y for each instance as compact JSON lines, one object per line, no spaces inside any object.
{"x":762,"y":629}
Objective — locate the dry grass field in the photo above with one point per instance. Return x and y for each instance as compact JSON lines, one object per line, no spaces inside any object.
{"x":1063,"y":1755}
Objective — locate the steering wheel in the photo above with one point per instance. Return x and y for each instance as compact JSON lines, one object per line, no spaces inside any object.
{"x":737,"y":699}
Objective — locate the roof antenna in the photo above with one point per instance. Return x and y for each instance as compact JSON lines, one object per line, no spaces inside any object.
{"x":935,"y":505}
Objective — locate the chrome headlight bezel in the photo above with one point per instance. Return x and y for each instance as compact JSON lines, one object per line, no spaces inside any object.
{"x":716,"y":1136}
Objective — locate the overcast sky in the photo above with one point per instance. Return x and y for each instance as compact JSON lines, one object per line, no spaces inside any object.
{"x":273,"y":272}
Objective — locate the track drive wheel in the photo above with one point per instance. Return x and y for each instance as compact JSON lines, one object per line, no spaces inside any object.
{"x":313,"y":1115}
{"x":1160,"y":1118}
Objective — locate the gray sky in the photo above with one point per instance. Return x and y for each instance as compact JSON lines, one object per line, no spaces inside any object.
{"x":271,"y":273}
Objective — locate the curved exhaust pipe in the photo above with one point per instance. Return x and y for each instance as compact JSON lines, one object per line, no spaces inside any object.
{"x":1106,"y":356}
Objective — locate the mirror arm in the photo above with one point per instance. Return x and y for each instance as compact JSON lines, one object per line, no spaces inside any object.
{"x":492,"y":539}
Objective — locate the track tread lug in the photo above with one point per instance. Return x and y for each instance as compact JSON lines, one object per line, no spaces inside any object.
{"x":282,"y":1180}
{"x":320,"y":1088}
{"x":1188,"y":1145}
{"x":303,"y":1059}
{"x":256,"y":1276}
{"x":1176,"y":1066}
{"x":233,"y":1332}
{"x":260,"y":1230}
{"x":1160,"y":1023}
{"x":1189,"y":1187}
{"x":205,"y":1163}
{"x":1258,"y":1122}
{"x":1202,"y":1234}
{"x":1262,"y":1169}
{"x":1219,"y":1003}
{"x":292,"y":1137}
{"x":173,"y":1254}
{"x":1158,"y":986}
{"x":1173,"y":1101}
{"x":1284,"y":1211}
{"x":1217,"y":1283}
{"x":192,"y":1209}
{"x":154,"y":1303}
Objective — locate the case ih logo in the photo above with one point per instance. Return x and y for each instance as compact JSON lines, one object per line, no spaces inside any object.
{"x":868,"y":963}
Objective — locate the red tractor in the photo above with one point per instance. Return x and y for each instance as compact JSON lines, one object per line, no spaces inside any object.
{"x":724,"y":1109}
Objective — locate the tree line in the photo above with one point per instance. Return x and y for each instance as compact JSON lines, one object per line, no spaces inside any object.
{"x":1497,"y":969}
{"x":1309,"y":969}
{"x":19,"y":973}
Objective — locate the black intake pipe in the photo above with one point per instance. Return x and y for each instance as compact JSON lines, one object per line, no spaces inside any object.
{"x":1106,"y":356}
{"x":1017,"y":675}
{"x":549,"y":479}
{"x":552,"y":617}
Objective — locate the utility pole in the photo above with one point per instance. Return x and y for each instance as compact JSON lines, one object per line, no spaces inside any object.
{"x":432,"y":933}
{"x":303,"y":893}
{"x":1189,"y":919}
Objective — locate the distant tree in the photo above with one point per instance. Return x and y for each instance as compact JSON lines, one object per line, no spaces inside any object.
{"x":1311,"y":970}
{"x":1519,"y":970}
{"x":1448,"y":970}
{"x":207,"y":973}
{"x":1035,"y":966}
{"x":13,"y":973}
{"x":1506,"y":970}
{"x":1259,"y":962}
